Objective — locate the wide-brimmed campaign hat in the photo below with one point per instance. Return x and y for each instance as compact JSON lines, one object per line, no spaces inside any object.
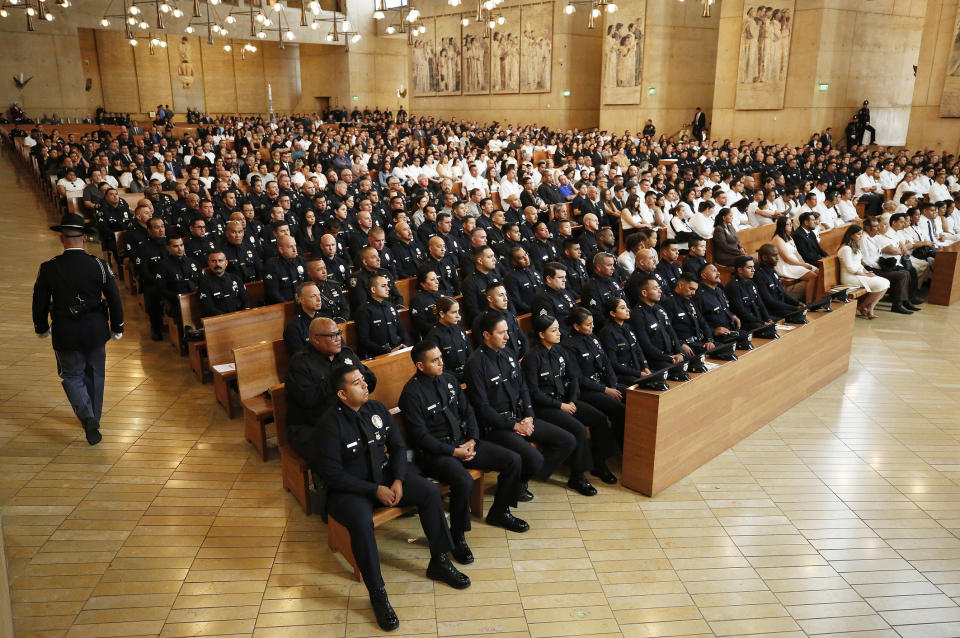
{"x":70,"y":221}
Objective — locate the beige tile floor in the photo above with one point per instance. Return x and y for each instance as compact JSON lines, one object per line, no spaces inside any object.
{"x":838,"y":518}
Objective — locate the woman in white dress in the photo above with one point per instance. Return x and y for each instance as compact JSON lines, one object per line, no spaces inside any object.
{"x":852,"y":273}
{"x":791,"y":265}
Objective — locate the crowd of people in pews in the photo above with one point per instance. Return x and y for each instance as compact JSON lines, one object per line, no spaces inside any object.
{"x":600,"y":238}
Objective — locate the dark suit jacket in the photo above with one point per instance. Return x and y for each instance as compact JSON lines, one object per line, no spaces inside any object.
{"x":726,"y":245}
{"x":808,"y":246}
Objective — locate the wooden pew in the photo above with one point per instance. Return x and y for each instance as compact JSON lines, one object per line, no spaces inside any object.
{"x":294,"y":470}
{"x":393,"y":370}
{"x":407,"y":288}
{"x":945,"y":283}
{"x":667,"y":436}
{"x":226,"y":332}
{"x":338,"y":539}
{"x":259,"y":367}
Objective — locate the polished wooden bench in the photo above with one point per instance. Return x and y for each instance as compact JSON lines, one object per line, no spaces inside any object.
{"x":393,"y":370}
{"x":225,"y":332}
{"x":945,"y":282}
{"x":294,"y":470}
{"x":259,"y":367}
{"x":670,"y":434}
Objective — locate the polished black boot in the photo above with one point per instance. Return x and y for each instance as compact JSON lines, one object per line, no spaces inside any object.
{"x":383,"y":610}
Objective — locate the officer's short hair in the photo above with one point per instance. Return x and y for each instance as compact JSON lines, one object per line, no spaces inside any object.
{"x":304,"y":284}
{"x":492,"y":287}
{"x":568,"y":242}
{"x":805,"y":216}
{"x":578,"y":314}
{"x":419,"y":352}
{"x":690,"y":278}
{"x":611,"y":304}
{"x":741,"y":261}
{"x":553,"y":268}
{"x":489,"y":320}
{"x":599,"y":258}
{"x":667,"y":243}
{"x":479,"y":250}
{"x":339,"y":374}
{"x":173,"y":237}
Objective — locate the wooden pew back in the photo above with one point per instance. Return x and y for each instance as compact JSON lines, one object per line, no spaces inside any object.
{"x":393,"y":370}
{"x":260,"y":366}
{"x":244,"y":327}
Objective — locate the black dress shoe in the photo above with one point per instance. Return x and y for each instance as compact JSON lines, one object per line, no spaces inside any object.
{"x":525,"y":495}
{"x":507,"y":521}
{"x":582,"y":485}
{"x":900,"y":310}
{"x":440,"y":568}
{"x":916,"y":301}
{"x":383,"y":610}
{"x":604,"y":475}
{"x":461,"y":551}
{"x":92,"y":429}
{"x":910,"y":306}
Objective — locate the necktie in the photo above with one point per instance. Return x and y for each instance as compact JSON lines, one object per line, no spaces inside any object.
{"x":506,"y":378}
{"x":440,"y":387}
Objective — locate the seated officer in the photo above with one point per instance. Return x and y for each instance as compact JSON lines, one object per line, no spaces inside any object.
{"x":282,"y":273}
{"x":176,"y":274}
{"x":554,"y":299}
{"x":745,"y":299}
{"x":498,"y":302}
{"x":445,"y":265}
{"x":501,"y":400}
{"x":360,"y":282}
{"x":476,"y":283}
{"x":379,"y":330}
{"x":775,"y":298}
{"x":669,"y":266}
{"x":573,"y":264}
{"x":338,"y":268}
{"x":309,"y":307}
{"x":219,"y":291}
{"x":620,"y":343}
{"x":688,"y":321}
{"x":199,"y":244}
{"x":242,"y":256}
{"x":660,"y":343}
{"x":694,"y":262}
{"x":422,"y":312}
{"x":334,"y":299}
{"x":601,"y":287}
{"x":364,"y":465}
{"x":450,"y":337}
{"x":715,"y":309}
{"x":523,"y":281}
{"x":442,"y":430}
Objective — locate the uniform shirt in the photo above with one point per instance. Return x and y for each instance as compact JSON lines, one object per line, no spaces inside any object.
{"x":454,"y":347}
{"x":715,"y":308}
{"x":333,"y":300}
{"x":177,"y":276}
{"x":219,"y":295}
{"x":436,"y":414}
{"x":199,"y":247}
{"x":576,"y":275}
{"x":620,"y":342}
{"x":687,"y":320}
{"x":422,"y":311}
{"x":113,"y":217}
{"x":745,"y":302}
{"x":655,"y":332}
{"x":475,"y":291}
{"x":379,"y":329}
{"x":588,"y":246}
{"x":408,"y":257}
{"x":774,"y":297}
{"x":76,"y":279}
{"x":297,"y":333}
{"x":308,"y":382}
{"x":148,"y":255}
{"x":281,"y":277}
{"x":522,"y":285}
{"x":543,"y":252}
{"x":669,"y":277}
{"x":243,"y":261}
{"x":357,"y":451}
{"x":517,"y":343}
{"x":496,"y":389}
{"x":595,"y":293}
{"x":594,"y":366}
{"x":446,"y":270}
{"x":360,"y":288}
{"x":337,"y":268}
{"x":557,"y":303}
{"x":551,"y":376}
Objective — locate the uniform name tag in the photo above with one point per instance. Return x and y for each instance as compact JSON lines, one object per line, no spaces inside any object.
{"x":494,"y":379}
{"x":354,"y":444}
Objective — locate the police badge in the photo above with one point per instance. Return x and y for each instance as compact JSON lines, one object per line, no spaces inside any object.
{"x":377,"y":421}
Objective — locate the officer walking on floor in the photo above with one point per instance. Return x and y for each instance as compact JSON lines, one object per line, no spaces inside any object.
{"x":78,"y":291}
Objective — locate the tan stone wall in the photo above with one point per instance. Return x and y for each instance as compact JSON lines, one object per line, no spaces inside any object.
{"x":927,"y":128}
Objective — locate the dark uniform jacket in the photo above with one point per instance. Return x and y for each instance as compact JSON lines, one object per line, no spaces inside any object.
{"x":308,"y":383}
{"x":334,"y":301}
{"x":517,"y":342}
{"x":280,"y":279}
{"x":595,"y":293}
{"x":551,"y":376}
{"x":475,"y":291}
{"x":745,"y":302}
{"x":357,"y":451}
{"x":408,"y":257}
{"x":693,"y":265}
{"x":220,"y":295}
{"x":360,"y":288}
{"x":147,"y":256}
{"x":557,"y":303}
{"x":687,"y":320}
{"x":622,"y":346}
{"x":576,"y":276}
{"x":446,"y":270}
{"x":177,"y":276}
{"x":669,"y":277}
{"x":436,"y":414}
{"x":70,"y":290}
{"x":454,"y":347}
{"x":808,"y":246}
{"x":772,"y":293}
{"x":422,"y":311}
{"x":654,"y":331}
{"x":522,"y":285}
{"x":337,"y":268}
{"x":243,"y":261}
{"x":379,"y":329}
{"x":297,"y":333}
{"x":596,"y":370}
{"x":496,"y":389}
{"x":200,"y":247}
{"x":715,"y":308}
{"x":543,"y":252}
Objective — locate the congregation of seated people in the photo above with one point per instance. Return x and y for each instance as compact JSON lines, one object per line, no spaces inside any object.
{"x":601,"y":244}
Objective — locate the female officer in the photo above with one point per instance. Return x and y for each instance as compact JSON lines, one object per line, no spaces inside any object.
{"x":450,"y":336}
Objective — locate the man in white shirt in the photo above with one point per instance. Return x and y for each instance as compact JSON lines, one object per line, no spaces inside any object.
{"x":882,"y":257}
{"x":890,"y":177}
{"x":473,"y":180}
{"x":509,"y":186}
{"x":868,"y":190}
{"x":938,"y":190}
{"x":829,"y":215}
{"x":909,"y":238}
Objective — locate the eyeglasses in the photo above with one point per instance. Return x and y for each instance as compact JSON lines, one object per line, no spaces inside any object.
{"x":332,"y":335}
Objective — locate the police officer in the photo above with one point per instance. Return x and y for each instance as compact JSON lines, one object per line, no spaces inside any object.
{"x":553,"y":379}
{"x":646,"y":267}
{"x":309,"y":392}
{"x":476,"y":283}
{"x":78,"y":292}
{"x":715,"y":309}
{"x":360,"y":282}
{"x":112,"y":215}
{"x":146,"y":259}
{"x":523,"y":281}
{"x":745,"y":298}
{"x":668,"y":268}
{"x":542,"y":249}
{"x":442,"y":428}
{"x":282,"y":273}
{"x":863,"y":123}
{"x":364,"y":465}
{"x":772,"y":293}
{"x":501,"y":400}
{"x":331,"y":292}
{"x":219,"y":291}
{"x":338,"y":268}
{"x":688,"y":321}
{"x":554,"y":299}
{"x":408,"y":253}
{"x":450,"y":337}
{"x":177,"y":274}
{"x":379,"y":330}
{"x":422,"y":312}
{"x":601,"y":287}
{"x":445,"y":265}
{"x":573,"y":264}
{"x":243,"y":259}
{"x":497,"y":302}
{"x":309,"y":307}
{"x":660,"y":343}
{"x":198,"y":244}
{"x":621,"y":345}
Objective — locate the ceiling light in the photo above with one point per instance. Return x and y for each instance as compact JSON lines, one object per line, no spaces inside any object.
{"x":261,"y":35}
{"x":595,"y":12}
{"x":267,"y":22}
{"x":163,"y":44}
{"x":230,"y":19}
{"x":290,"y":35}
{"x":465,"y":22}
{"x":48,"y":17}
{"x":391,"y":30}
{"x":165,"y":7}
{"x":346,"y":25}
{"x":133,"y":42}
{"x":489,"y":5}
{"x":31,"y":11}
{"x":215,"y":28}
{"x":612,"y":8}
{"x":134,"y":10}
{"x":378,"y":15}
{"x":177,"y":13}
{"x":413,"y":15}
{"x":143,"y":25}
{"x":314,"y":25}
{"x":3,"y":13}
{"x":492,"y":24}
{"x":227,"y":48}
{"x":278,"y":7}
{"x":104,"y":22}
{"x":356,"y":38}
{"x":501,"y":20}
{"x":329,"y":37}
{"x":189,"y":29}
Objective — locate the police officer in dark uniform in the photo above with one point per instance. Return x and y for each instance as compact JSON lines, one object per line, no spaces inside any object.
{"x":422,"y":311}
{"x":219,"y":291}
{"x":601,"y":287}
{"x":553,"y":378}
{"x":621,"y":345}
{"x":476,"y":283}
{"x":501,"y":400}
{"x":772,"y":293}
{"x":863,"y":123}
{"x":688,"y":322}
{"x":745,"y":298}
{"x":408,"y":253}
{"x":659,"y":342}
{"x":360,"y":281}
{"x":442,"y":428}
{"x":147,"y":257}
{"x":198,"y":244}
{"x":243,"y":259}
{"x":112,"y":215}
{"x":668,"y":268}
{"x":363,"y":464}
{"x":338,"y":268}
{"x":542,"y":249}
{"x":445,"y":265}
{"x":450,"y":337}
{"x":379,"y":329}
{"x":78,"y":292}
{"x":177,"y":274}
{"x":715,"y":309}
{"x":331,"y":292}
{"x":554,"y":299}
{"x":523,"y":281}
{"x":576,"y":271}
{"x":296,"y":334}
{"x":497,"y":302}
{"x":282,"y":273}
